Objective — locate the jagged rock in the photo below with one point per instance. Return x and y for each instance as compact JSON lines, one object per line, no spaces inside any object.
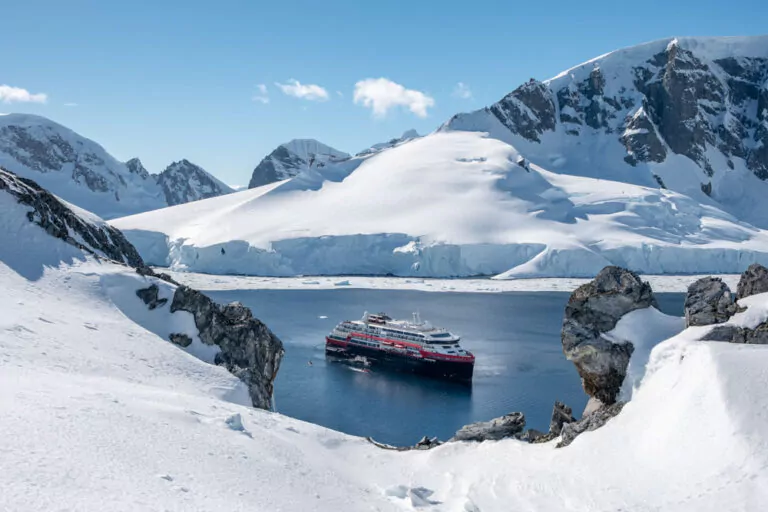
{"x":149,"y":296}
{"x":593,"y":309}
{"x":753,"y":281}
{"x":735,"y":334}
{"x":249,"y":350}
{"x":561,"y":414}
{"x":426,"y":443}
{"x":292,"y":158}
{"x":589,"y":423}
{"x":508,"y":425}
{"x":709,"y":301}
{"x":531,"y":435}
{"x":58,"y":220}
{"x":180,"y":339}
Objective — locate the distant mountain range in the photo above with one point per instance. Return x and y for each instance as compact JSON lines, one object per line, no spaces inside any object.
{"x":652,"y":157}
{"x":82,"y":172}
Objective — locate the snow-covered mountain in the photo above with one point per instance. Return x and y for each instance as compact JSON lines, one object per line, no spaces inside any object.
{"x":687,"y":114}
{"x":84,"y":173}
{"x":183,"y":182}
{"x":292,"y":158}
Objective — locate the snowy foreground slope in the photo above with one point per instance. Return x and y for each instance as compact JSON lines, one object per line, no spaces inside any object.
{"x":100,"y":412}
{"x":448,"y":204}
{"x":82,"y":172}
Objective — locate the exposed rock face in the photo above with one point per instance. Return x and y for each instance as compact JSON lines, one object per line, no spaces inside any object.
{"x":57,"y":219}
{"x":184,"y":182}
{"x":135,"y":166}
{"x":753,"y":281}
{"x":149,"y":296}
{"x":509,"y":425}
{"x":291,"y":158}
{"x":590,"y":422}
{"x":709,"y":301}
{"x":528,"y":110}
{"x":593,"y":309}
{"x":561,"y":414}
{"x":249,"y":350}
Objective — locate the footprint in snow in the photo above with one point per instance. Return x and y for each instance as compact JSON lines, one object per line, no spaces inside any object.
{"x":91,"y":327}
{"x":44,"y":320}
{"x":169,"y":478}
{"x":418,"y":496}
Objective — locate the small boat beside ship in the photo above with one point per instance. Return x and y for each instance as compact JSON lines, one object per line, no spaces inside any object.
{"x":411,"y":346}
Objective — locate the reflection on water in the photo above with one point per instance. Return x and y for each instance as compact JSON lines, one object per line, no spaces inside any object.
{"x":514,"y":336}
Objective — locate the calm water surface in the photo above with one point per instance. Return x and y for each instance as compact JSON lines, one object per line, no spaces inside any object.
{"x":515,"y":337}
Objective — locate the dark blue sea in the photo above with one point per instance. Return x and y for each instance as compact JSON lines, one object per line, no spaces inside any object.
{"x":515,"y":337}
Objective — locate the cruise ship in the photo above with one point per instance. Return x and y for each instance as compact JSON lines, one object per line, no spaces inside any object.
{"x":412,"y":346}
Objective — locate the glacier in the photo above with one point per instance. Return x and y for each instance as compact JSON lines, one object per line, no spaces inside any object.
{"x":450,"y":204}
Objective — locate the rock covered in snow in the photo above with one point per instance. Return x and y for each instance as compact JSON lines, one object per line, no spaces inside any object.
{"x":135,"y":166}
{"x":76,"y":227}
{"x":291,"y":158}
{"x":753,"y":281}
{"x":593,"y":309}
{"x":589,"y":422}
{"x":708,"y":301}
{"x":249,"y":350}
{"x":509,"y":425}
{"x":184,"y":182}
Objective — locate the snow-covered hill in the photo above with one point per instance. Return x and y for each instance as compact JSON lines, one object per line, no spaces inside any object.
{"x":688,"y":114}
{"x":82,"y":172}
{"x":448,"y":204}
{"x":292,"y":158}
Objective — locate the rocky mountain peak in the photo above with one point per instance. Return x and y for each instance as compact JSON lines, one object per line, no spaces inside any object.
{"x":135,"y":166}
{"x":291,"y":158}
{"x":183,"y":182}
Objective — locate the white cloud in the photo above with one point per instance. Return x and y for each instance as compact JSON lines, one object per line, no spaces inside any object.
{"x":462,"y":91}
{"x":380,"y":95}
{"x":304,"y":91}
{"x":10,"y":94}
{"x":70,"y":104}
{"x":262,"y":95}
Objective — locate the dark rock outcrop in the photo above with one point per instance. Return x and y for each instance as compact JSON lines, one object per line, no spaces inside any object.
{"x":509,"y":425}
{"x":528,"y":111}
{"x":426,"y":443}
{"x":593,"y":309}
{"x":753,"y":281}
{"x":149,"y":296}
{"x":249,"y":350}
{"x":561,"y":414}
{"x":709,"y":301}
{"x":58,"y":220}
{"x":588,"y":423}
{"x":736,"y":334}
{"x":180,"y":339}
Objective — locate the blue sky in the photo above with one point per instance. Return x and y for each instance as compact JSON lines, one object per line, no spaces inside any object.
{"x":168,"y":80}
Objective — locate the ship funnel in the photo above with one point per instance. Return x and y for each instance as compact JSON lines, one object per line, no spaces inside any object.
{"x":365,"y":316}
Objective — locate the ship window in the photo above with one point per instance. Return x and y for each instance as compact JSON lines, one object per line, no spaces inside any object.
{"x":442,"y":335}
